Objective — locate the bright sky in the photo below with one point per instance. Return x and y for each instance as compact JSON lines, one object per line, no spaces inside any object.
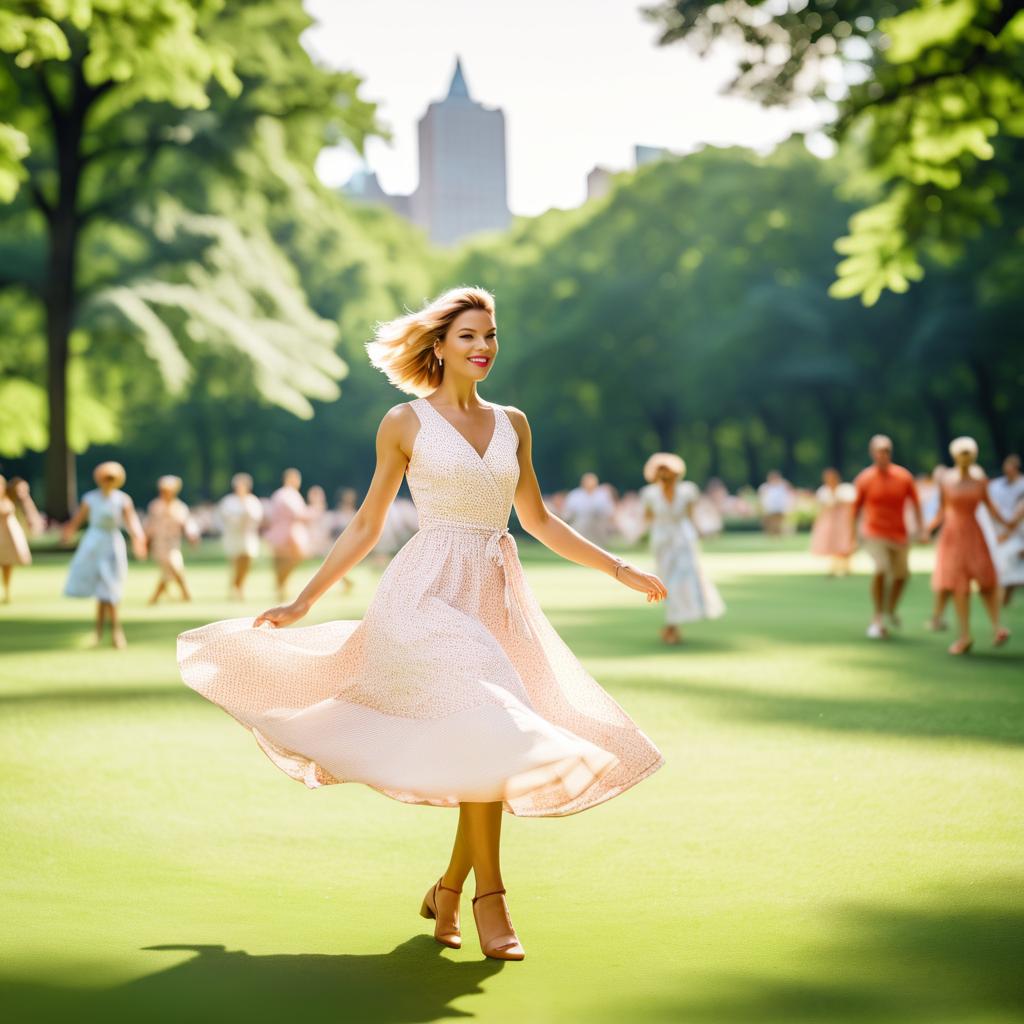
{"x":580,"y":82}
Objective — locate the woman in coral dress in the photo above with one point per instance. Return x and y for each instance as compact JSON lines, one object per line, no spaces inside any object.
{"x":454,"y":690}
{"x":830,"y":537}
{"x":288,"y":528}
{"x":962,"y":556}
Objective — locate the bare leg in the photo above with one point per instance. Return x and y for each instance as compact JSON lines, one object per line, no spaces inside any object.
{"x":242,"y":564}
{"x":895,"y":593}
{"x":1007,"y":594}
{"x":116,"y":632}
{"x":962,"y":604}
{"x":101,"y":615}
{"x":878,"y":596}
{"x":284,"y":565}
{"x":991,"y":600}
{"x":160,"y":588}
{"x":461,"y":861}
{"x":7,"y":582}
{"x":178,"y":576}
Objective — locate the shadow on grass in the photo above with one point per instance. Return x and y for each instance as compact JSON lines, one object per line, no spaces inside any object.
{"x":414,"y":982}
{"x":957,"y":961}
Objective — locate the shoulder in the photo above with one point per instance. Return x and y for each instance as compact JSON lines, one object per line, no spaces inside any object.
{"x":689,"y":490}
{"x":865,"y":476}
{"x":399,"y":418}
{"x":516,"y":416}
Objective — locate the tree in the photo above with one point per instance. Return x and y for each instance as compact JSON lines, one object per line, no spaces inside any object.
{"x":931,"y":88}
{"x":120,"y":102}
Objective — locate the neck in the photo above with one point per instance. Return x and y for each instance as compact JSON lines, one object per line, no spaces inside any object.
{"x":459,"y":391}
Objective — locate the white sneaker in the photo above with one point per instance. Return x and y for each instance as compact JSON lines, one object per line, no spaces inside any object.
{"x":876,"y":631}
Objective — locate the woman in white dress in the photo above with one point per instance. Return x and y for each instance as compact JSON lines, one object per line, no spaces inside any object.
{"x":1007,"y":494}
{"x":168,"y":520}
{"x":669,"y":503}
{"x":240,"y":514}
{"x":453,"y":690}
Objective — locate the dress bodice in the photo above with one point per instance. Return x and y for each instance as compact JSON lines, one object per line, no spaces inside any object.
{"x":962,"y":497}
{"x":451,"y":482}
{"x":669,"y":511}
{"x":106,"y":511}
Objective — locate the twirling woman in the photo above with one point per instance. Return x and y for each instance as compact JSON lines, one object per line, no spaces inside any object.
{"x":454,"y":690}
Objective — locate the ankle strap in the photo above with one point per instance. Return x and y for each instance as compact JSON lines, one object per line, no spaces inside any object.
{"x":440,"y":885}
{"x":483,"y":894}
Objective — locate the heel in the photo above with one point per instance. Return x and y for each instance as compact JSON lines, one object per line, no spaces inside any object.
{"x":445,"y":932}
{"x":425,"y":910}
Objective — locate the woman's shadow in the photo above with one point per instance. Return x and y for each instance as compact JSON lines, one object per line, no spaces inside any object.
{"x":412,"y":983}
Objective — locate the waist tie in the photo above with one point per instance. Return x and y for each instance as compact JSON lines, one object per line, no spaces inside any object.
{"x":500,"y":549}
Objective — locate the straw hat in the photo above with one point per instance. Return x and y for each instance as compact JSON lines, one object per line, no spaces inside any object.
{"x":107,"y":469}
{"x":963,"y":444}
{"x":669,"y":460}
{"x":169,"y":482}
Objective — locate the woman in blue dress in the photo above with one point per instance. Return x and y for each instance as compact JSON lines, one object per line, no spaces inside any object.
{"x":100,"y":564}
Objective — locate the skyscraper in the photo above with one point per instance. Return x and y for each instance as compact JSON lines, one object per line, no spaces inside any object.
{"x":463,"y":184}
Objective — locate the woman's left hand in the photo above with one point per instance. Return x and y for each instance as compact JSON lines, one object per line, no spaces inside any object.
{"x":646,"y":582}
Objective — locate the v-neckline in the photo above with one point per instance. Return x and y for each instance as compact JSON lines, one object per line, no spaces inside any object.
{"x":469,"y":444}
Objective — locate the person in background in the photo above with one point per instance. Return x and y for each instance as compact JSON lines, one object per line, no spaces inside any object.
{"x":288,"y":532}
{"x":99,"y":565}
{"x":14,"y":549}
{"x":1007,"y":494}
{"x":589,"y":509}
{"x":669,"y":503}
{"x":882,"y":491}
{"x":348,"y":505}
{"x":240,"y":514}
{"x":319,"y":521}
{"x":776,"y":499}
{"x":830,"y":536}
{"x":962,"y":555}
{"x":168,"y":520}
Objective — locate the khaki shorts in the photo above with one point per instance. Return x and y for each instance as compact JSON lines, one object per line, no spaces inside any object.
{"x":890,"y":556}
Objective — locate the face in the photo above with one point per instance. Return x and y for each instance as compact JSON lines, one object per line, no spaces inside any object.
{"x":963,"y":458}
{"x":1011,"y":467}
{"x":830,"y":478}
{"x":242,"y":484}
{"x":881,"y":452}
{"x":665,"y":475}
{"x":470,"y":346}
{"x":588,"y":481}
{"x":292,"y":478}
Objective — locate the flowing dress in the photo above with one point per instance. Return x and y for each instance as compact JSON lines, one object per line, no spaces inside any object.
{"x":240,"y":516}
{"x":454,"y":685}
{"x":691,"y":595}
{"x":1007,"y":496}
{"x":962,"y":555}
{"x":288,"y":532}
{"x":166,"y":523}
{"x":833,"y":526}
{"x":99,"y":565}
{"x":14,"y":549}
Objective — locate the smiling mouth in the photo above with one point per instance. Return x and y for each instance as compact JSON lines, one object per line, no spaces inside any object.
{"x":480,"y":360}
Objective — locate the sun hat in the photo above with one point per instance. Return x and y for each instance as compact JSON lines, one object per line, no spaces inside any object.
{"x":963,"y":444}
{"x":670,"y":460}
{"x":109,"y":469}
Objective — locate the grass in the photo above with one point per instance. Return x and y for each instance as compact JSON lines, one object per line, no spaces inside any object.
{"x":837,"y":834}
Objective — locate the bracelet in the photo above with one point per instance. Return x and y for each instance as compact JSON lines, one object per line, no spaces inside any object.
{"x":619,"y":563}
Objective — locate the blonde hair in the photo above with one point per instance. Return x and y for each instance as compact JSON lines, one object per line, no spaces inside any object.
{"x":403,"y":348}
{"x":963,"y":444}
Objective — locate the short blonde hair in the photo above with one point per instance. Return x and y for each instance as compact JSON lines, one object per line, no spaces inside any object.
{"x":169,"y":482}
{"x":403,"y":348}
{"x":963,"y":444}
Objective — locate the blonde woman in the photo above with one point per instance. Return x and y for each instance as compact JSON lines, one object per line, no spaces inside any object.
{"x":168,"y":520}
{"x":239,"y":515}
{"x":454,"y":690}
{"x":288,"y":528}
{"x":669,"y":503}
{"x":99,"y":565}
{"x":962,"y":556}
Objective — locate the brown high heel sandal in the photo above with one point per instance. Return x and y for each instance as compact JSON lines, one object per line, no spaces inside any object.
{"x":492,"y":946}
{"x":445,"y":933}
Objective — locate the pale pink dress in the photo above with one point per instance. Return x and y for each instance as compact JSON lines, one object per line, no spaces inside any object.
{"x":454,"y":686}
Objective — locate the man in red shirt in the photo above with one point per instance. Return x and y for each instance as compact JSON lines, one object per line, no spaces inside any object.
{"x":883,"y":490}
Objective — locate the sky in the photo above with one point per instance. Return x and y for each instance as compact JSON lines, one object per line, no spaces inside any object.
{"x":580,"y":81}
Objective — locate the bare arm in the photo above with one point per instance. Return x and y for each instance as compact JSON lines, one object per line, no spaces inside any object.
{"x":395,"y":437}
{"x":554,"y":533}
{"x":74,"y":524}
{"x":138,"y":535}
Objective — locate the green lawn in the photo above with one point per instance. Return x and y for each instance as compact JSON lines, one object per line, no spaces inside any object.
{"x":837,"y":835}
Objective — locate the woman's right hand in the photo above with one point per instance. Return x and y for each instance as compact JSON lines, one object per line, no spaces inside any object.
{"x":283,"y":615}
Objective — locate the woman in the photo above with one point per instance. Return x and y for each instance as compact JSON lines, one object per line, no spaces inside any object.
{"x":14,"y":549}
{"x":240,"y":514}
{"x":669,"y":504}
{"x":100,"y":564}
{"x":830,"y":537}
{"x":288,"y":532}
{"x":168,"y":520}
{"x":454,"y":690}
{"x":962,"y":556}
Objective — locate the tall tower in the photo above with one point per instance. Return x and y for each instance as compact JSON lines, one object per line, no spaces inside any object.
{"x":463,"y":185}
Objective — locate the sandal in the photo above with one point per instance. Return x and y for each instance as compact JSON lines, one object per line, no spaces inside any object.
{"x":960,"y":646}
{"x":1002,"y":635}
{"x":504,"y":945}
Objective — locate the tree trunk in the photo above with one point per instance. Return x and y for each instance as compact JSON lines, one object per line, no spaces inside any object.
{"x":985,"y":398}
{"x":63,"y":221}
